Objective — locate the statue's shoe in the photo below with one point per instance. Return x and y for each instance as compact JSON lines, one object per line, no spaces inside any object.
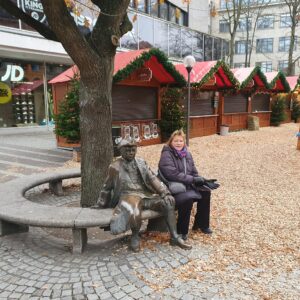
{"x":180,"y":243}
{"x":135,"y":243}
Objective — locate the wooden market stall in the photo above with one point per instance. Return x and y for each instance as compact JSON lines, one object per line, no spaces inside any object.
{"x":278,"y":84}
{"x":209,"y":80}
{"x":252,"y":98}
{"x":138,"y":79}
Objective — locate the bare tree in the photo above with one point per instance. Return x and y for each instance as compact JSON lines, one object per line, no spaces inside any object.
{"x":252,"y":11}
{"x":294,"y":13}
{"x":94,"y":54}
{"x":232,"y":17}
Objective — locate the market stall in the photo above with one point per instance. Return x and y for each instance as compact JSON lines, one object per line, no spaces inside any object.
{"x":138,"y":79}
{"x":252,"y":98}
{"x":278,"y":84}
{"x":209,"y":80}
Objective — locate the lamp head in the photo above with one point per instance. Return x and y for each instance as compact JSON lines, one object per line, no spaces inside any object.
{"x":189,"y":62}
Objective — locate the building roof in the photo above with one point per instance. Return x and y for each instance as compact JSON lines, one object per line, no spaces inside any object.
{"x":128,"y":62}
{"x":293,"y":82}
{"x":277,"y":82}
{"x":251,"y":77}
{"x":209,"y":75}
{"x":26,"y":87}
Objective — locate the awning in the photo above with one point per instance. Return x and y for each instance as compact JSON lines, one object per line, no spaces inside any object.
{"x":213,"y":75}
{"x":251,"y":77}
{"x":127,"y":63}
{"x":277,"y":82}
{"x":26,"y":87}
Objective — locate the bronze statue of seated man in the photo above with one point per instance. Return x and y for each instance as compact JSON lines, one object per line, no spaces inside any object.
{"x":130,"y":187}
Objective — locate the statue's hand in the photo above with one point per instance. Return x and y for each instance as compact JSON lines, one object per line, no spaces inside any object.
{"x":169,"y":200}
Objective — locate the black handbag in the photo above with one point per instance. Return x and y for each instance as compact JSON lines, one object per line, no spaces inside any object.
{"x":173,"y":186}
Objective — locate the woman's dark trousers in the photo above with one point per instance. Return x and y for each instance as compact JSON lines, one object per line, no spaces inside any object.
{"x":184,"y":213}
{"x":203,"y":210}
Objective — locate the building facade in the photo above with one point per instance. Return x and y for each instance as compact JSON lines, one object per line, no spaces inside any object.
{"x":269,"y":23}
{"x":28,"y":61}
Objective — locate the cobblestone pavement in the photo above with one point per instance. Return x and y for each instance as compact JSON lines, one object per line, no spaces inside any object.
{"x":37,"y":265}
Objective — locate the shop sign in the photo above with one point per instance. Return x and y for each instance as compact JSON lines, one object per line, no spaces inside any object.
{"x":5,"y":93}
{"x":34,"y":8}
{"x":144,"y":74}
{"x":13,"y":73}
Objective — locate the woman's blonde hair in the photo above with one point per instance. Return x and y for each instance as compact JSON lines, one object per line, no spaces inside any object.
{"x":178,"y":132}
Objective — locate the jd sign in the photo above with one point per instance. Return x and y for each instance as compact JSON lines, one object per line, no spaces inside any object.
{"x":13,"y":73}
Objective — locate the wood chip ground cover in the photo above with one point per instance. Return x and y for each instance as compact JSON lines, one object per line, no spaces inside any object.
{"x":255,"y":214}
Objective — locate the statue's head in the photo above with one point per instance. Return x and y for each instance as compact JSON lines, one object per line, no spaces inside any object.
{"x":128,"y":148}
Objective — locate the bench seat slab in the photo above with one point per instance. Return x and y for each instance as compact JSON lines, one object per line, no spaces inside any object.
{"x":79,"y":240}
{"x":7,"y":228}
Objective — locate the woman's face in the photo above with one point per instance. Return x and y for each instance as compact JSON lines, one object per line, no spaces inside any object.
{"x":178,"y":142}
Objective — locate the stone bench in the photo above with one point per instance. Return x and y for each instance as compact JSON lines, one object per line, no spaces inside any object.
{"x":18,"y":213}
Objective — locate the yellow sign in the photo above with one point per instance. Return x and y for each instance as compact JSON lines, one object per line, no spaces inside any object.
{"x":5,"y":93}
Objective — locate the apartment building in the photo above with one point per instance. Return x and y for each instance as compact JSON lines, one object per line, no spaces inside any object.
{"x":28,"y":61}
{"x":269,"y":23}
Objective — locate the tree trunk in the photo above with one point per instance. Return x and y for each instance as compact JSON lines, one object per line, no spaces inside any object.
{"x":95,"y":127}
{"x":290,"y":70}
{"x":231,"y":50}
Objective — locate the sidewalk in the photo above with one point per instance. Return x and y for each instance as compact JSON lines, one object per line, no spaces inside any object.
{"x":252,"y":254}
{"x":29,"y":150}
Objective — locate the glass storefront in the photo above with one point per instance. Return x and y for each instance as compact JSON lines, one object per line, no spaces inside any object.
{"x":25,"y":98}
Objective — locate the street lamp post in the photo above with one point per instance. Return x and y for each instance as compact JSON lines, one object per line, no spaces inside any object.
{"x":189,"y":61}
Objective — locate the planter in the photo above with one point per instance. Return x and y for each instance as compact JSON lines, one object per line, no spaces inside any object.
{"x":224,"y":129}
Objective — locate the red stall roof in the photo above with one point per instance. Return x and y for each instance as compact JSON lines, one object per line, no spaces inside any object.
{"x":128,"y":62}
{"x":27,"y":87}
{"x":210,"y":74}
{"x":293,"y":82}
{"x":277,"y":82}
{"x":250,"y":77}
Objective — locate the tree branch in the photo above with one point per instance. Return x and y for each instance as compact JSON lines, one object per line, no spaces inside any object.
{"x":63,"y":24}
{"x":41,"y":28}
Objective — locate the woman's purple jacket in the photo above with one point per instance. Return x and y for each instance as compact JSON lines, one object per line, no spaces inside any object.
{"x":172,"y":167}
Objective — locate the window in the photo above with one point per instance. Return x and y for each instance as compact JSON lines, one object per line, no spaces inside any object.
{"x":163,"y":10}
{"x":265,"y":22}
{"x":141,"y":5}
{"x":264,"y":45}
{"x":7,"y":20}
{"x":239,"y":65}
{"x":284,"y":44}
{"x":285,"y":20}
{"x":266,"y":66}
{"x":153,"y":9}
{"x":283,"y":65}
{"x":244,"y":24}
{"x":225,"y":4}
{"x":172,"y":13}
{"x":224,"y":26}
{"x":241,"y":46}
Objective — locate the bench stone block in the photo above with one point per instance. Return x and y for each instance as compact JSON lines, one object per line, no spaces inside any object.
{"x":7,"y":228}
{"x":79,"y":240}
{"x":55,"y":187}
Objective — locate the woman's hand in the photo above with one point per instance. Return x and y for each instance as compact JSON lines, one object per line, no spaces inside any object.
{"x":211,"y":183}
{"x":198,"y":181}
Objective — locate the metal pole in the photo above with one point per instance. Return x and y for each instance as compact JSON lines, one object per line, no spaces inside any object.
{"x":46,"y":96}
{"x":188,"y":110}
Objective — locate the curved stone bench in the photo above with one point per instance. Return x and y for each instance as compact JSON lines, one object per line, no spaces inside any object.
{"x":18,"y":213}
